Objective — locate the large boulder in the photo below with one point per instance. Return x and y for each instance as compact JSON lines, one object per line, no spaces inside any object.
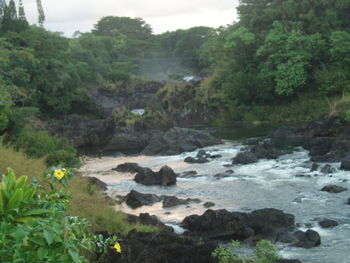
{"x":177,"y":140}
{"x":245,"y":158}
{"x":260,"y":224}
{"x":307,"y":239}
{"x":128,"y":168}
{"x":135,"y":199}
{"x":165,"y":177}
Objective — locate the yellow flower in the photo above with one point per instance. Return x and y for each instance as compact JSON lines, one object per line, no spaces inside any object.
{"x":64,"y":171}
{"x":117,"y":247}
{"x":59,"y":174}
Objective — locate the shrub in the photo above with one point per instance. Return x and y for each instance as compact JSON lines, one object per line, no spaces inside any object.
{"x":34,"y":226}
{"x":265,"y":252}
{"x":38,"y":144}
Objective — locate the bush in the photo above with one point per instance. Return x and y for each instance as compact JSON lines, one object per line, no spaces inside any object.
{"x":34,"y":226}
{"x":4,"y":120}
{"x":38,"y":144}
{"x":265,"y":252}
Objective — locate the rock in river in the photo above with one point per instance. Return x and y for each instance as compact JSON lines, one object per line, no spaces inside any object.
{"x":165,"y":177}
{"x":333,"y":189}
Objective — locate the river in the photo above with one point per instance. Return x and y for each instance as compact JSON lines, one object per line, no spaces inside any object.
{"x":265,"y":184}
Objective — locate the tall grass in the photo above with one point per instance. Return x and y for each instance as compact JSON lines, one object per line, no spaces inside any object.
{"x":87,"y":201}
{"x":19,"y":161}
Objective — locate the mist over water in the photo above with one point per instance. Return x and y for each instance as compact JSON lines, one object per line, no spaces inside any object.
{"x":265,"y":184}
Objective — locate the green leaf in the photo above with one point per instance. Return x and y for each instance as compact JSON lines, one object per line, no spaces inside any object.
{"x":64,"y":182}
{"x":33,"y":212}
{"x":74,"y":255}
{"x":21,"y":181}
{"x":42,"y":253}
{"x":29,"y":194}
{"x":25,"y":219}
{"x":16,"y":199}
{"x":49,"y":237}
{"x":2,"y":204}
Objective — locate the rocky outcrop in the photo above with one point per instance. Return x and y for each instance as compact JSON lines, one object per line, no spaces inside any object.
{"x":326,"y":140}
{"x":177,"y":140}
{"x":81,"y":131}
{"x":266,"y":224}
{"x":139,"y":98}
{"x":165,"y":177}
{"x":162,"y":247}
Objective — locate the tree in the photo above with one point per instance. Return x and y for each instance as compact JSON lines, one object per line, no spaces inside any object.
{"x":21,"y":13}
{"x":41,"y":16}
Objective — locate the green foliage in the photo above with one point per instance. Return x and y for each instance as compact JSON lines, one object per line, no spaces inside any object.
{"x":278,"y":52}
{"x":265,"y":252}
{"x":38,"y":144}
{"x":34,"y":226}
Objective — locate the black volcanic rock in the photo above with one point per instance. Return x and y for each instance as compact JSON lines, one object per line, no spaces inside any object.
{"x":165,"y":177}
{"x":234,"y":225}
{"x":333,"y":189}
{"x":135,"y":199}
{"x":307,"y":239}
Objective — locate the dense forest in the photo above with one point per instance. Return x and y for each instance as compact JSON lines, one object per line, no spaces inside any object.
{"x":284,"y":59}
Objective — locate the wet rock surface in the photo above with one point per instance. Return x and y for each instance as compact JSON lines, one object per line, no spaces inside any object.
{"x":307,"y":239}
{"x":165,"y":177}
{"x":335,"y":189}
{"x":328,"y":223}
{"x":135,"y":199}
{"x":260,"y":224}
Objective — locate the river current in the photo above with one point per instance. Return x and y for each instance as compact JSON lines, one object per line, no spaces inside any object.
{"x":265,"y":184}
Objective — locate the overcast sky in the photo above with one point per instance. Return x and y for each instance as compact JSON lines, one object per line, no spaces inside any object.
{"x":163,"y":15}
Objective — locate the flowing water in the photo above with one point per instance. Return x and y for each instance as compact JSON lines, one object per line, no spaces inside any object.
{"x":265,"y":184}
